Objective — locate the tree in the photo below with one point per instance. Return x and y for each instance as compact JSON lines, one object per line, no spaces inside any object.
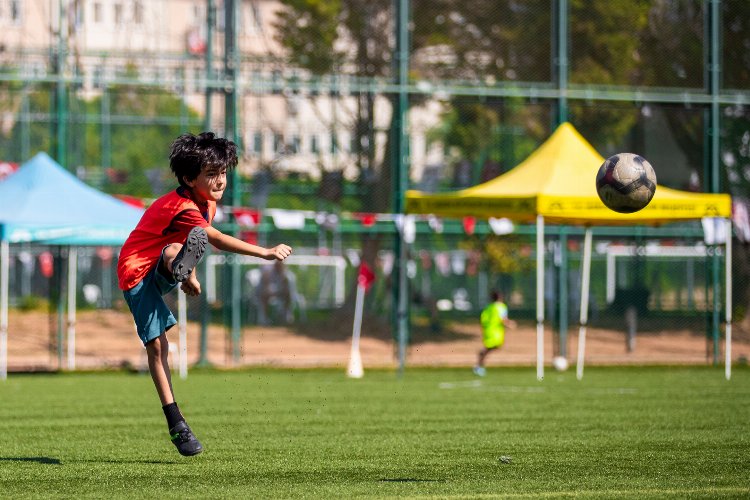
{"x":606,"y":51}
{"x":349,"y":37}
{"x":140,"y":147}
{"x":138,"y":137}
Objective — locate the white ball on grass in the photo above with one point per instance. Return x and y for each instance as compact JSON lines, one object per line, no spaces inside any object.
{"x":560,"y":363}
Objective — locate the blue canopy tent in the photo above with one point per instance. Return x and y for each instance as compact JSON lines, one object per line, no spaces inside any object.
{"x":44,"y":203}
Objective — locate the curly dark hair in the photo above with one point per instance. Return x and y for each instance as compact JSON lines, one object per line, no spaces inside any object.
{"x":190,"y":154}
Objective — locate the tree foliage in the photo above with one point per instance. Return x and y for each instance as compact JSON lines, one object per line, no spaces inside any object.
{"x":139,"y":146}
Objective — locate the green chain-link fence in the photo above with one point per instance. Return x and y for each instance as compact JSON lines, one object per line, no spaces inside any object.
{"x":339,"y":108}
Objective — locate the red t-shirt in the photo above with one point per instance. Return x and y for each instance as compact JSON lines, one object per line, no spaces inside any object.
{"x":168,"y":220}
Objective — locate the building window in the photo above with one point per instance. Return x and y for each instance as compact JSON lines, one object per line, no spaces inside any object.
{"x":294,"y":146}
{"x":98,"y":77}
{"x":10,"y":10}
{"x":220,"y":17}
{"x":345,"y":143}
{"x":79,"y":15}
{"x":278,"y":144}
{"x":118,"y":13}
{"x":199,"y":14}
{"x":334,"y":144}
{"x":254,"y":21}
{"x":15,"y":11}
{"x":258,"y":142}
{"x":138,"y":12}
{"x":314,"y":147}
{"x":97,"y":12}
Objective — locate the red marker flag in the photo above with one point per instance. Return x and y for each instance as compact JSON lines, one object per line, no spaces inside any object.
{"x":365,"y":276}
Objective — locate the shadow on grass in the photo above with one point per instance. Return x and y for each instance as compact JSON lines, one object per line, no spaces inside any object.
{"x":408,"y":480}
{"x":119,"y":461}
{"x":56,"y":461}
{"x":39,"y":460}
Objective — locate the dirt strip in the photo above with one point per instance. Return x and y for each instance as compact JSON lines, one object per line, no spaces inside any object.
{"x":107,"y":339}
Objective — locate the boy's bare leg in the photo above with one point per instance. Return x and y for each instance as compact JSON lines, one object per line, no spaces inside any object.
{"x":168,"y":255}
{"x":479,"y":368}
{"x":482,"y":354}
{"x":158,"y":365}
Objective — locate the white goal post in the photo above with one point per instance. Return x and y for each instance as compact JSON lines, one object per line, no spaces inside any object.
{"x":336,"y":262}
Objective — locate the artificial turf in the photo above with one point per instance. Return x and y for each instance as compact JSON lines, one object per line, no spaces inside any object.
{"x":628,"y":432}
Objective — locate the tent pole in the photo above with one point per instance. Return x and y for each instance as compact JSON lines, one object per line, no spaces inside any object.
{"x":540,"y":297}
{"x":728,"y":286}
{"x":4,"y":265}
{"x":585,"y":280}
{"x":72,"y":271}
{"x":402,"y":313}
{"x":59,"y":277}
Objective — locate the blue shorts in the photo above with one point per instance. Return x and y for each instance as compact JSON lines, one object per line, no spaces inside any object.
{"x":151,"y":314}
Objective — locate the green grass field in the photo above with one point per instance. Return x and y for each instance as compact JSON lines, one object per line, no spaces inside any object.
{"x":619,"y":433}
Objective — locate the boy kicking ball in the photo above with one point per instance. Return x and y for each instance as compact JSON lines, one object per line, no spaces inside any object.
{"x":164,"y":249}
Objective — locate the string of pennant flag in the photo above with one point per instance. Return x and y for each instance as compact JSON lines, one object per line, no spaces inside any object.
{"x":249,"y":218}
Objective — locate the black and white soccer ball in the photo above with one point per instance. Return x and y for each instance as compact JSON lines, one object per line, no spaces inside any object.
{"x":626,"y":182}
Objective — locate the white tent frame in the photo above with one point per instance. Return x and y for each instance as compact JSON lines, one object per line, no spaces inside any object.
{"x":4,"y":270}
{"x":71,"y":317}
{"x":585,"y":281}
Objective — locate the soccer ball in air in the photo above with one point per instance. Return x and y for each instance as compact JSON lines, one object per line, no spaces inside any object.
{"x":626,"y":182}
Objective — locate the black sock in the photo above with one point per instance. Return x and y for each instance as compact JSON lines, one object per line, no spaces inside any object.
{"x":173,"y":415}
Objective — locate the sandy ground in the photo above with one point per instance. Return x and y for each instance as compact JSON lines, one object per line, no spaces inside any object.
{"x":107,"y":339}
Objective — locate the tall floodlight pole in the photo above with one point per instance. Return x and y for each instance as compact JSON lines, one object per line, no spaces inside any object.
{"x":61,"y":100}
{"x":231,"y":65}
{"x":560,"y":69}
{"x":210,"y":23}
{"x":61,"y":144}
{"x":400,"y":162}
{"x":205,"y":307}
{"x":560,"y":58}
{"x":713,"y":82}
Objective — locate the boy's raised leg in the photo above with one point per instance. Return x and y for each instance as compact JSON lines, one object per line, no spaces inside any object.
{"x":190,"y":254}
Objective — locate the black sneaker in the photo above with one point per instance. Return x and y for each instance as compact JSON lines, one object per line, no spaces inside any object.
{"x":182,"y":437}
{"x":190,"y":254}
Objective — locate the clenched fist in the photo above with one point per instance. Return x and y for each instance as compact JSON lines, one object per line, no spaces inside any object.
{"x":279,"y":252}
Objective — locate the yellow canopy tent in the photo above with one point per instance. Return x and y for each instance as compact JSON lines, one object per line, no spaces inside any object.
{"x":556,"y":183}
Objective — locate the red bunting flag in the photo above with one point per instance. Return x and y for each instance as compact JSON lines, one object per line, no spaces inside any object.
{"x":47,"y":264}
{"x":7,"y":168}
{"x":367,"y":219}
{"x":470,"y":224}
{"x":131,"y":200}
{"x":247,"y":217}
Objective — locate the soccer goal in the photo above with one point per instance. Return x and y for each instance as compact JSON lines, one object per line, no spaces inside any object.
{"x":319,"y":279}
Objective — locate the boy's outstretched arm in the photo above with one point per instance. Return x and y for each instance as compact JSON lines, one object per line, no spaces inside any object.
{"x":231,"y":244}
